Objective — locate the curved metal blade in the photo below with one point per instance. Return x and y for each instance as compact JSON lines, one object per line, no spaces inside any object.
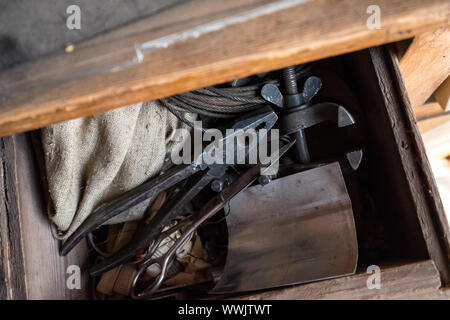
{"x":315,"y":114}
{"x":296,"y":229}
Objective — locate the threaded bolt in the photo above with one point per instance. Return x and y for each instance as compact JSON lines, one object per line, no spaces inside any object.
{"x":290,"y":80}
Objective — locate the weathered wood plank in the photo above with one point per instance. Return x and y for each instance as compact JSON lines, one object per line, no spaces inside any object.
{"x":38,"y":270}
{"x":12,"y":282}
{"x":40,"y":26}
{"x":418,"y":280}
{"x":427,"y":110}
{"x":422,"y":186}
{"x":426,"y":64}
{"x":226,"y":40}
{"x":442,"y":94}
{"x":433,"y":121}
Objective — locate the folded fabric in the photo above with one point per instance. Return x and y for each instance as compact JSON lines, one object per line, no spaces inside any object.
{"x":89,"y":161}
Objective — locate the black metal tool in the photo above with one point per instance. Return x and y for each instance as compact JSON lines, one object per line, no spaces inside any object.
{"x":294,"y":100}
{"x":263,"y":118}
{"x":187,"y":226}
{"x":298,"y":114}
{"x":152,"y":231}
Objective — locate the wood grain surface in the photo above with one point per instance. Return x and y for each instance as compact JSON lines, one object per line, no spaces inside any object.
{"x":418,"y":280}
{"x":35,"y":269}
{"x":421,"y":184}
{"x":426,"y":64}
{"x":195,"y":44}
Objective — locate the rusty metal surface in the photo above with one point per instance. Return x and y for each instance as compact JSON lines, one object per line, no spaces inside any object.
{"x":296,"y":229}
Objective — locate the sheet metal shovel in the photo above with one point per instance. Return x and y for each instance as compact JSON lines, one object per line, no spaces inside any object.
{"x":296,"y":229}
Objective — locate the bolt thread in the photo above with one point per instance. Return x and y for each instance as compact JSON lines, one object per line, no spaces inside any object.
{"x":290,"y":80}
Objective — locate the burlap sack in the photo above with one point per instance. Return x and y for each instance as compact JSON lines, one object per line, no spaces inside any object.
{"x":91,"y":160}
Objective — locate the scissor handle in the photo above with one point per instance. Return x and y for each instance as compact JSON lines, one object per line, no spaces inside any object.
{"x":155,"y":244}
{"x":193,"y":222}
{"x":163,"y":262}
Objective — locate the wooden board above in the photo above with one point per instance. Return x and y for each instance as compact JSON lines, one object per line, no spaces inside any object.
{"x":195,"y":44}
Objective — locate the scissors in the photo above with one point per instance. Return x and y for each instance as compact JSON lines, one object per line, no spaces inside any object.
{"x":192,"y":179}
{"x":188,"y":226}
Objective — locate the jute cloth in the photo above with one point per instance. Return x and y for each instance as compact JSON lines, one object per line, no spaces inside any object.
{"x":89,"y":161}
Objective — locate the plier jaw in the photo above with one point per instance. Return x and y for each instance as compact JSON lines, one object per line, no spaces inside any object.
{"x":261,"y":120}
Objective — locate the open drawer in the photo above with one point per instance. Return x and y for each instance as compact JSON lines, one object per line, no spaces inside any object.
{"x":406,"y":235}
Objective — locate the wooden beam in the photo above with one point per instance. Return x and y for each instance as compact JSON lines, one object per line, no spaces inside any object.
{"x":434,"y":121}
{"x":442,"y":94}
{"x":427,"y":110}
{"x":425,"y":64}
{"x":414,"y":162}
{"x":12,"y":282}
{"x":196,"y":44}
{"x":418,"y":280}
{"x":35,"y":269}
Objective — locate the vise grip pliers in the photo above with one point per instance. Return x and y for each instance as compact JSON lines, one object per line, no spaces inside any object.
{"x":198,"y":174}
{"x":187,"y":227}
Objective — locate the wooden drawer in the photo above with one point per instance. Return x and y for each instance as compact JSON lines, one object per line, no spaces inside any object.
{"x":415,"y":263}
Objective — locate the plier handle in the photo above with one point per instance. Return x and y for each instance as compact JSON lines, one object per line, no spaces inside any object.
{"x":263,"y":118}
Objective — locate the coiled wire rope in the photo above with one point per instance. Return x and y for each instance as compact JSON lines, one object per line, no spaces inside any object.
{"x":222,"y":102}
